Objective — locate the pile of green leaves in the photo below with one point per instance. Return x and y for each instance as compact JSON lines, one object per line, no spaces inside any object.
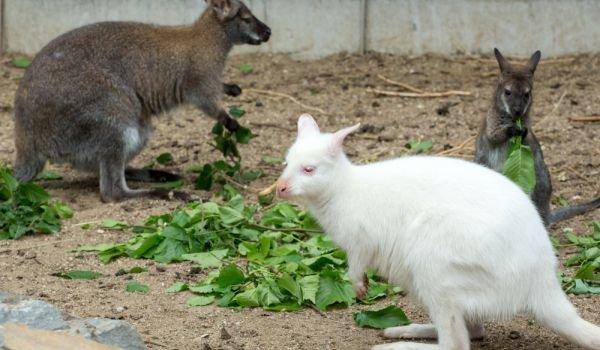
{"x":281,"y":261}
{"x":25,"y":208}
{"x":519,"y":165}
{"x":587,"y":277}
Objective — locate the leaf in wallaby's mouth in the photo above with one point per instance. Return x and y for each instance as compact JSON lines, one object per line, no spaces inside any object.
{"x":519,"y":165}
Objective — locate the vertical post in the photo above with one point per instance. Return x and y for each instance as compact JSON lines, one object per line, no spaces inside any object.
{"x":363,"y":26}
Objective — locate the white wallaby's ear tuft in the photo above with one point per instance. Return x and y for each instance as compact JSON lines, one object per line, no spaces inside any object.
{"x":339,"y":136}
{"x":307,"y":126}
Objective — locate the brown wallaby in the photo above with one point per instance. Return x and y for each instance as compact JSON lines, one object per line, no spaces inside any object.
{"x":512,"y":100}
{"x":88,"y":96}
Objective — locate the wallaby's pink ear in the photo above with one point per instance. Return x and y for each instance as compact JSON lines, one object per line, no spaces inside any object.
{"x":225,"y":9}
{"x":339,"y":136}
{"x":505,"y":67}
{"x":533,"y":61}
{"x":307,"y":126}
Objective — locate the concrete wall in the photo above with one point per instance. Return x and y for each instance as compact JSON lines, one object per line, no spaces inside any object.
{"x":316,"y":28}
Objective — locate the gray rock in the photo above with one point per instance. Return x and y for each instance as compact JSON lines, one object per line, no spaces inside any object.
{"x":39,"y":314}
{"x":33,"y":313}
{"x":107,"y":331}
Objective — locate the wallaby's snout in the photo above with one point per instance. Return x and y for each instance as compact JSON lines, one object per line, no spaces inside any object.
{"x":252,"y":30}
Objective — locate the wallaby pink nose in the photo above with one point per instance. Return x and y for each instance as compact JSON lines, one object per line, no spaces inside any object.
{"x":283,"y":189}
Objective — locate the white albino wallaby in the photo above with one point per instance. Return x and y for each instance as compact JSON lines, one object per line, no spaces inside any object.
{"x":462,"y":239}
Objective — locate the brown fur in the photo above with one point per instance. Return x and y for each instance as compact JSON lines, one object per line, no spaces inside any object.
{"x":89,"y":95}
{"x":512,"y":100}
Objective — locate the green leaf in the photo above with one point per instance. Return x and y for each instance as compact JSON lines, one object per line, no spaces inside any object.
{"x":248,"y":298}
{"x":230,"y":216}
{"x":287,"y":282}
{"x":243,"y":135}
{"x":137,"y":287}
{"x":236,"y":112}
{"x":137,"y":269}
{"x":114,"y":225}
{"x":207,"y":260}
{"x":21,"y":62}
{"x":419,"y":146}
{"x":230,"y":275}
{"x":519,"y":165}
{"x":390,"y":316}
{"x":177,"y":287}
{"x":201,"y":300}
{"x":332,"y":290}
{"x":48,"y":175}
{"x":272,"y":160}
{"x":246,"y":68}
{"x":171,"y":185}
{"x":78,"y":275}
{"x":309,"y":286}
{"x":205,"y":180}
{"x":165,"y":158}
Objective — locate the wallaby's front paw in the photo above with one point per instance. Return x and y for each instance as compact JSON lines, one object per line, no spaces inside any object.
{"x":231,"y":124}
{"x":232,"y":90}
{"x":361,"y":289}
{"x":513,"y":130}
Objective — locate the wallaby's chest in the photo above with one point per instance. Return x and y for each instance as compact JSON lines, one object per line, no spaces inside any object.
{"x":497,"y":157}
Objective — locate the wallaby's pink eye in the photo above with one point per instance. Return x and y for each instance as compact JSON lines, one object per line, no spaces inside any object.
{"x":308,"y":170}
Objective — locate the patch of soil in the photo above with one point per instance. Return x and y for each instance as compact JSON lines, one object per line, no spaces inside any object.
{"x":338,"y":85}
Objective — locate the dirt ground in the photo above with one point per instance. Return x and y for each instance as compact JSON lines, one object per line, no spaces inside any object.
{"x":338,"y":85}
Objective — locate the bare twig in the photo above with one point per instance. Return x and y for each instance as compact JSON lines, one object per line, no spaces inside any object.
{"x":289,"y":97}
{"x":420,"y":95}
{"x":586,"y":119}
{"x":271,"y":125}
{"x":459,"y":147}
{"x":35,"y":246}
{"x":402,"y":85}
{"x":234,"y":182}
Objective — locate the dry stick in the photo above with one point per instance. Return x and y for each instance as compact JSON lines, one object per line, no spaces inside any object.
{"x":289,"y":97}
{"x":237,"y":184}
{"x":403,"y":85}
{"x":457,"y":148}
{"x":556,"y":105}
{"x":420,"y":95}
{"x":586,"y":119}
{"x":271,"y":125}
{"x":35,"y":246}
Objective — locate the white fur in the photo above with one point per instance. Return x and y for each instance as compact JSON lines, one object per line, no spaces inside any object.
{"x":506,"y":107}
{"x":461,"y":238}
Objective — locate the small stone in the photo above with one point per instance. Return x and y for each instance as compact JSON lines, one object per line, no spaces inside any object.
{"x":514,"y":335}
{"x":224,"y":334}
{"x":120,"y":309}
{"x":259,"y":104}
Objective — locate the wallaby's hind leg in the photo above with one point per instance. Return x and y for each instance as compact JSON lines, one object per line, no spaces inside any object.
{"x":150,"y":175}
{"x":28,"y":165}
{"x":451,"y":330}
{"x":113,"y":186}
{"x":427,"y":331}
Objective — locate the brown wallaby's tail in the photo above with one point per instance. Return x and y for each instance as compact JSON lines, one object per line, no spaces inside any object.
{"x":573,"y":210}
{"x":150,"y":175}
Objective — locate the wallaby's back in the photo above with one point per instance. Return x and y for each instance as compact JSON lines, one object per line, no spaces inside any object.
{"x":88,"y":95}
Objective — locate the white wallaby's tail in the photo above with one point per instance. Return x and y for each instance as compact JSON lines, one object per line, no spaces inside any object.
{"x":555,"y":311}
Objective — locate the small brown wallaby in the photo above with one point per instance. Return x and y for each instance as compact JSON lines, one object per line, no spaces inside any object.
{"x":89,"y":95}
{"x":512,"y":100}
